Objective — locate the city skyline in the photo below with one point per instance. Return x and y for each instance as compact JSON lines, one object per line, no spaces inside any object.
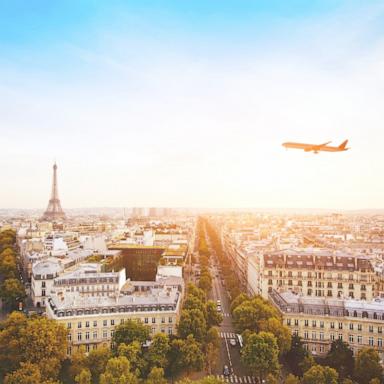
{"x":187,"y":105}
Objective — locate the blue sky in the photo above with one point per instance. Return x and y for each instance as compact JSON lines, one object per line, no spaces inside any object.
{"x":186,"y":103}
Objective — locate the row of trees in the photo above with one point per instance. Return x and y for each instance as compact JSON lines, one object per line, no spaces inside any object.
{"x":12,"y":291}
{"x":31,"y":346}
{"x":338,"y":366}
{"x":205,"y":281}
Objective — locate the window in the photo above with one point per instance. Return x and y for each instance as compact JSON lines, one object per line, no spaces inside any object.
{"x":300,"y":283}
{"x":313,"y":323}
{"x":288,"y":321}
{"x":350,"y":286}
{"x":146,"y":320}
{"x":332,"y":336}
{"x":94,"y":335}
{"x":43,"y":292}
{"x":306,"y":323}
{"x":359,"y":339}
{"x":153,"y":320}
{"x":270,"y":282}
{"x":359,"y":327}
{"x":379,"y":342}
{"x":87,"y":335}
{"x":43,"y":284}
{"x":105,"y":334}
{"x":296,"y":322}
{"x":351,"y":326}
{"x":309,"y":292}
{"x":112,"y":322}
{"x":350,"y":338}
{"x":169,"y":330}
{"x":79,"y":324}
{"x":339,"y":285}
{"x":105,"y":323}
{"x":95,"y":323}
{"x":332,"y":325}
{"x":163,"y":320}
{"x":341,"y":336}
{"x":371,"y":328}
{"x":69,"y":325}
{"x":289,"y":282}
{"x":305,"y":335}
{"x":379,"y":329}
{"x":329,"y":293}
{"x":309,"y":283}
{"x":69,"y":337}
{"x":340,"y":325}
{"x":170,"y":320}
{"x":363,"y":287}
{"x":313,"y":335}
{"x":79,"y":336}
{"x":87,"y":324}
{"x":321,"y":324}
{"x":321,"y":335}
{"x":370,"y":341}
{"x":329,"y":285}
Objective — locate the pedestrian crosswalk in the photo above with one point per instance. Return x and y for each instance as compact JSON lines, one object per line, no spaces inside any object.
{"x":238,"y":379}
{"x":226,"y":314}
{"x":227,"y":335}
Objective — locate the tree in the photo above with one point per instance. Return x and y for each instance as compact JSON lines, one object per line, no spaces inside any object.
{"x":133,"y":352}
{"x":158,"y":351}
{"x":130,"y":331}
{"x":28,"y":373}
{"x":205,"y":283}
{"x":213,"y":337}
{"x":367,"y":366}
{"x":375,"y":381}
{"x":37,"y":340}
{"x":260,"y":354}
{"x":8,"y":267}
{"x":291,"y":379}
{"x":239,"y":300}
{"x":156,"y":376}
{"x":84,"y":377}
{"x":192,"y":290}
{"x":307,"y":363}
{"x":214,"y":318}
{"x":211,"y":356}
{"x":78,"y":362}
{"x":320,"y":375}
{"x":340,"y":357}
{"x":176,"y":357}
{"x":192,"y":322}
{"x":12,"y":292}
{"x":191,"y":356}
{"x":280,"y":331}
{"x":193,"y":302}
{"x":97,"y":362}
{"x":296,"y":355}
{"x":118,"y":372}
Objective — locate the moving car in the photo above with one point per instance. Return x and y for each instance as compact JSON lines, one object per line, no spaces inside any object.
{"x":226,"y":371}
{"x":232,"y":342}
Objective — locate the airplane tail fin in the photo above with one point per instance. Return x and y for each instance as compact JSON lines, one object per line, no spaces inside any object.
{"x":343,"y":144}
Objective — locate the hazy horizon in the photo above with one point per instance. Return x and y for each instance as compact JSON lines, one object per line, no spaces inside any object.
{"x":187,"y":104}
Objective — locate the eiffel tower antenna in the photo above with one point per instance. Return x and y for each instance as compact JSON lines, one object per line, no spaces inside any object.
{"x":54,"y":211}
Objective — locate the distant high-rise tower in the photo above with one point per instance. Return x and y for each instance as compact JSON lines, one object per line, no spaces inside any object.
{"x":54,"y":210}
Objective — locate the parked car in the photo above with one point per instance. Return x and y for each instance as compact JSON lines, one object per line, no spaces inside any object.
{"x":232,"y":342}
{"x":218,"y":308}
{"x":226,"y":371}
{"x":218,"y":302}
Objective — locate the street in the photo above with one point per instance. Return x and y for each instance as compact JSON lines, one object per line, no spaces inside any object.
{"x":229,"y":355}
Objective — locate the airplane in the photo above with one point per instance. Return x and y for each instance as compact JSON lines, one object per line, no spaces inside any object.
{"x":317,"y":147}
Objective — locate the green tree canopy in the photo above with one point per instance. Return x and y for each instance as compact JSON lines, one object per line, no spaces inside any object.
{"x":28,"y":373}
{"x":158,"y":351}
{"x":280,"y":331}
{"x":134,"y":353}
{"x":296,"y":356}
{"x":156,"y":376}
{"x":12,"y":292}
{"x":130,"y":331}
{"x":320,"y":375}
{"x":97,"y":362}
{"x":84,"y":377}
{"x":260,"y":354}
{"x":37,"y":340}
{"x":340,"y":357}
{"x":192,"y":322}
{"x":192,"y":290}
{"x":214,"y":318}
{"x":118,"y":372}
{"x":292,"y":379}
{"x":367,"y":366}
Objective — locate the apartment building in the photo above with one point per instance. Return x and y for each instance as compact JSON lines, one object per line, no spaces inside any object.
{"x":317,"y":273}
{"x":91,"y":321}
{"x":320,"y":320}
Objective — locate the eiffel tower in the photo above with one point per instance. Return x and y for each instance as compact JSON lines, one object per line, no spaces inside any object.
{"x":54,"y":211}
